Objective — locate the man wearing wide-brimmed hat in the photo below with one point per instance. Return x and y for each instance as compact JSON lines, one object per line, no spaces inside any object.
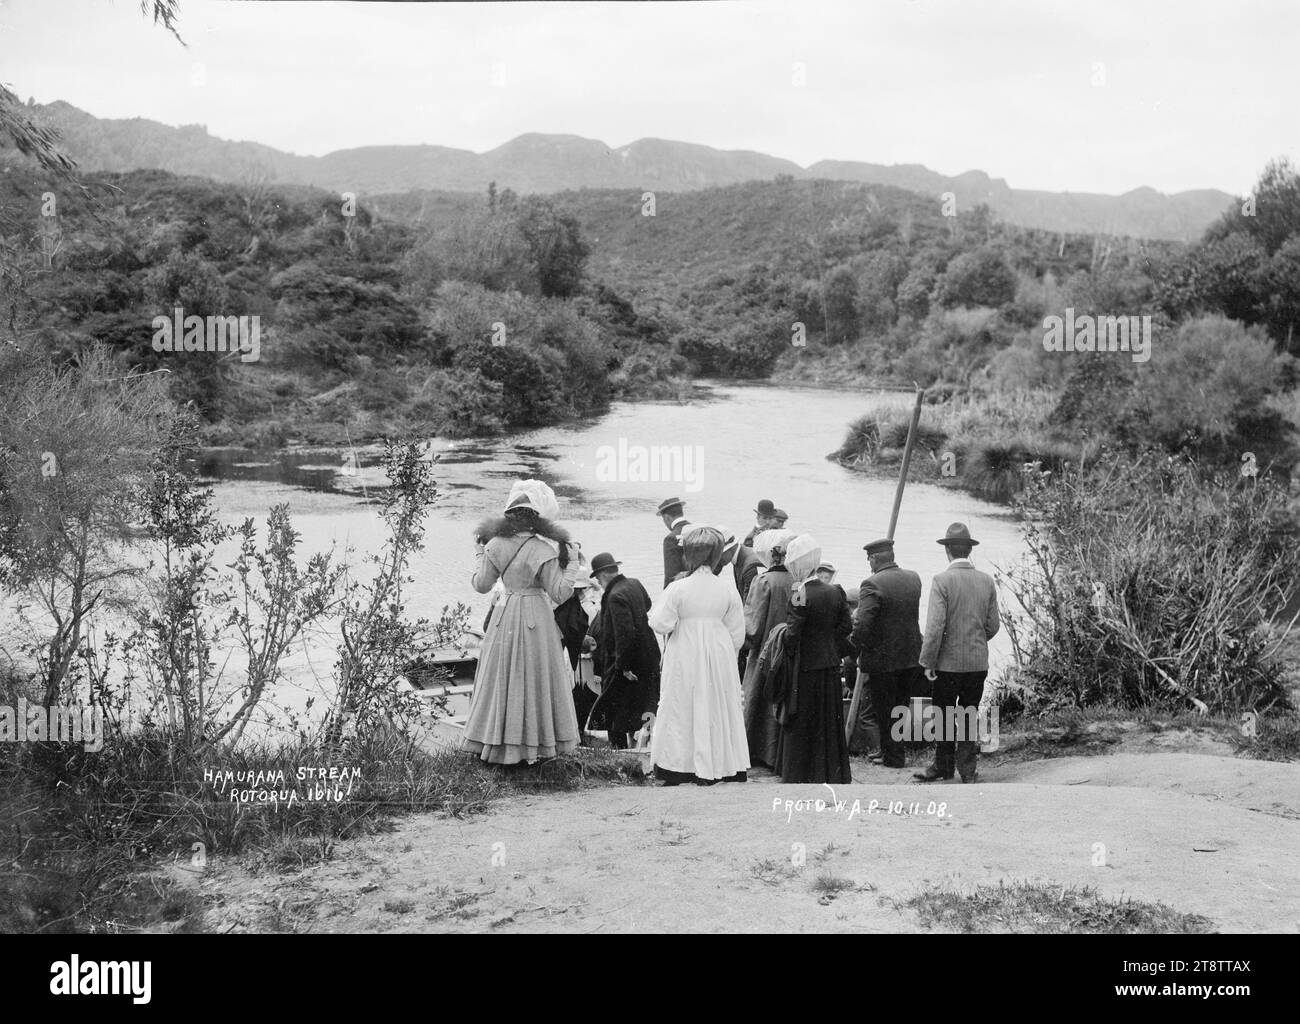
{"x":962,"y":619}
{"x":627,"y":653}
{"x":673,"y":512}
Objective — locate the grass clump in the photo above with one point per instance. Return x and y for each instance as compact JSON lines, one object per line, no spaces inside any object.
{"x":1042,"y":909}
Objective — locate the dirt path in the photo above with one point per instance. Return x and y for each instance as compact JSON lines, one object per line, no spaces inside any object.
{"x":1216,"y":836}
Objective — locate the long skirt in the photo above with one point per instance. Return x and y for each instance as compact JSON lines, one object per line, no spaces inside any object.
{"x":699,"y":731}
{"x":761,"y":729}
{"x":811,"y":746}
{"x":522,"y":705}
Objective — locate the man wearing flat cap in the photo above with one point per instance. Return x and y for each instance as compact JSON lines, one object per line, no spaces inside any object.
{"x":962,"y":619}
{"x":627,"y":654}
{"x":887,"y":635}
{"x":672,"y":512}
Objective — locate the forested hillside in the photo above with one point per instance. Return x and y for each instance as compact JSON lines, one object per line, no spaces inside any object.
{"x":367,"y":326}
{"x":462,"y":314}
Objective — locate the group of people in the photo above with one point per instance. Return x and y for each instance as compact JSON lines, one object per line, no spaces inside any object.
{"x":755,"y":636}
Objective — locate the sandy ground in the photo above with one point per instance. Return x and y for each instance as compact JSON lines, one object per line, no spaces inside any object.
{"x":1207,"y":834}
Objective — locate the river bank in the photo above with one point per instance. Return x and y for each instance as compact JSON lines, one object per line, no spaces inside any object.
{"x":1173,"y":836}
{"x":1151,"y":821}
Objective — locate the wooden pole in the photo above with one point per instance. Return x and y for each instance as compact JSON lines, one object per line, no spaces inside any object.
{"x":856,"y":702}
{"x":907,"y":462}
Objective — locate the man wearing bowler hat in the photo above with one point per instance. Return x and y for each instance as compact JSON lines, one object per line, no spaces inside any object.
{"x":627,"y":654}
{"x":887,"y":634}
{"x":766,"y":517}
{"x":962,"y":619}
{"x":672,"y":512}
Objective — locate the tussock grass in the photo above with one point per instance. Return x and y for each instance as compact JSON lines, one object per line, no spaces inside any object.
{"x":827,"y":883}
{"x":1046,"y":909}
{"x":772,"y":871}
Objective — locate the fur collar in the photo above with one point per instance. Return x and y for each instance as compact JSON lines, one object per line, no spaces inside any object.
{"x":504,"y":526}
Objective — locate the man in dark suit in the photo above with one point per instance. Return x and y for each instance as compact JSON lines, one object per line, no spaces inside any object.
{"x":671,"y":511}
{"x":745,"y":567}
{"x":763,"y":520}
{"x":627,"y":653}
{"x":962,"y":619}
{"x":887,"y":635}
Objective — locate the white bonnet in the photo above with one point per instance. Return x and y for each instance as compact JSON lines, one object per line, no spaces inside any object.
{"x":766,"y":540}
{"x":536,"y":495}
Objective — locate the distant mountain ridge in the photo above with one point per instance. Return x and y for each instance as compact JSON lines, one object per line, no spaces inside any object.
{"x":555,"y":163}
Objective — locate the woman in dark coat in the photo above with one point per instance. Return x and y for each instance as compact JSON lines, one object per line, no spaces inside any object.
{"x":811,"y":747}
{"x":627,"y":653}
{"x":768,"y":605}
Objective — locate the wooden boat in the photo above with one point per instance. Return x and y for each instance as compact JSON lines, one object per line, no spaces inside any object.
{"x":449,"y":673}
{"x":457,"y":662}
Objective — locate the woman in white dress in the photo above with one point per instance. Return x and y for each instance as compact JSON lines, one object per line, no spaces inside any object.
{"x":699,"y":731}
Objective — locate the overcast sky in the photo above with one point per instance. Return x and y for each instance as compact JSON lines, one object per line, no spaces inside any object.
{"x":1099,"y":96}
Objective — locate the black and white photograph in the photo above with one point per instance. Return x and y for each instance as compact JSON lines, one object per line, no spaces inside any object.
{"x":756,"y":466}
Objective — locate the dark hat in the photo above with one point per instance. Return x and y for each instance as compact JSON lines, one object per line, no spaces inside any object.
{"x":826,"y":566}
{"x":670,"y":503}
{"x":780,"y":514}
{"x":603,"y":561}
{"x":958,"y":534}
{"x":765,"y":507}
{"x":877,"y":546}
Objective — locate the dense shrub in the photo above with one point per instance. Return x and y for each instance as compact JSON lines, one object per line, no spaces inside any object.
{"x":978,"y":278}
{"x":1150,"y":582}
{"x":1231,"y":371}
{"x":460,"y":403}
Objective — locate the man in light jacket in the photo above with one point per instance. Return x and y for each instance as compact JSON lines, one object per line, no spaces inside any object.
{"x":962,"y":618}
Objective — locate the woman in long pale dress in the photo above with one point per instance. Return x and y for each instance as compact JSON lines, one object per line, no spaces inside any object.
{"x":768,"y":605}
{"x":521,"y":709}
{"x":699,"y":731}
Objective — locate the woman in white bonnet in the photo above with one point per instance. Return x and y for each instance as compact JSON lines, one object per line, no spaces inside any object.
{"x":521,"y":709}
